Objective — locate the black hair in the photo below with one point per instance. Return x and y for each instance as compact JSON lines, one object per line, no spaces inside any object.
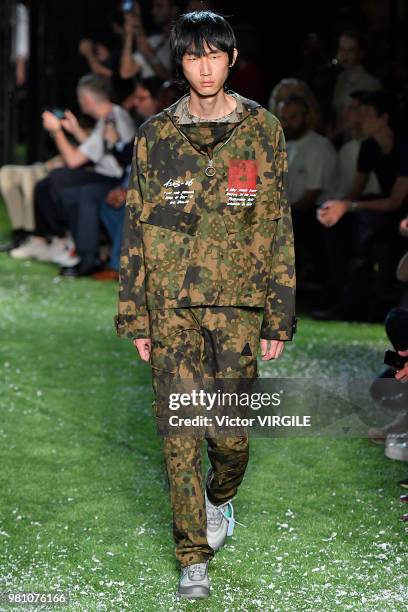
{"x":192,"y":30}
{"x":152,"y":84}
{"x":97,"y":84}
{"x":358,"y":94}
{"x":384,"y":102}
{"x":297,"y":100}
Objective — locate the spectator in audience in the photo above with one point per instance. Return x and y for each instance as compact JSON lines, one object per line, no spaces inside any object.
{"x":384,"y":153}
{"x":246,"y":78}
{"x":347,"y":156}
{"x":354,"y":76}
{"x":311,"y":164}
{"x":91,"y":162}
{"x":17,"y":188}
{"x":152,"y":56}
{"x":109,"y":208}
{"x":293,"y":87}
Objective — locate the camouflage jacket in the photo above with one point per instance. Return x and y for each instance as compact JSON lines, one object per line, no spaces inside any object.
{"x":208,"y":226}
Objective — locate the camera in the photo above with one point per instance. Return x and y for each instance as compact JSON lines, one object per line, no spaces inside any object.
{"x":58,"y":112}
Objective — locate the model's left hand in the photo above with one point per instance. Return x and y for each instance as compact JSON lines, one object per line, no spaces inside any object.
{"x":402,"y":375}
{"x":271,"y":349}
{"x":331,"y":212}
{"x":50,"y":122}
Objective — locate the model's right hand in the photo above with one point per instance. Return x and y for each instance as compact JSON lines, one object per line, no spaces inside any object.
{"x":144,"y":346}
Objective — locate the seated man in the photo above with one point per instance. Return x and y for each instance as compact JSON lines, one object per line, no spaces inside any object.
{"x":385,"y":154}
{"x":92,"y":162}
{"x":311,"y":162}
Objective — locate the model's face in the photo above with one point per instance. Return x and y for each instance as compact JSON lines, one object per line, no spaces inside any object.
{"x":207,"y":74}
{"x":348,"y":53}
{"x":293,"y":119}
{"x":371,"y":123}
{"x":144,"y":102}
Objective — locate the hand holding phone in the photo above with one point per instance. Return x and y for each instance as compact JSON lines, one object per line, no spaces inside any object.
{"x":394,"y":360}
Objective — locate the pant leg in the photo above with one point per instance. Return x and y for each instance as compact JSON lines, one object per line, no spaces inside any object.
{"x":113,"y":218}
{"x":29,"y":177}
{"x":48,"y":217}
{"x":201,"y":344}
{"x":11,"y":192}
{"x":235,"y":339}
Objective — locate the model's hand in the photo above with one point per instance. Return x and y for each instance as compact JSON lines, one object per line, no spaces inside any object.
{"x":271,"y":349}
{"x":402,"y":375}
{"x":331,"y":212}
{"x":144,"y":346}
{"x":403,"y":227}
{"x":50,"y":122}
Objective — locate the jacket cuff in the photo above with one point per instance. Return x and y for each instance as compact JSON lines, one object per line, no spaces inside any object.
{"x":284,"y":331}
{"x":132,"y":326}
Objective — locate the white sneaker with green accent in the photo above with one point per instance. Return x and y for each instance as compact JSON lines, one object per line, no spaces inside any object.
{"x":220,"y":522}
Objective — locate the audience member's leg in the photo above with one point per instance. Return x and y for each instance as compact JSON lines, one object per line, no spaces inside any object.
{"x":112,"y":218}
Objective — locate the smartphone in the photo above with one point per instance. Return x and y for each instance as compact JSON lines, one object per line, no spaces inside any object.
{"x":394,"y":360}
{"x":127,"y":6}
{"x":60,"y":114}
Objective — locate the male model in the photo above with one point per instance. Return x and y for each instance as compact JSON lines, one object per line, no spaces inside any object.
{"x":207,"y":245}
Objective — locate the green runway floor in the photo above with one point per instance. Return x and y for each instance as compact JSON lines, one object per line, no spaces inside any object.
{"x":84,"y":506}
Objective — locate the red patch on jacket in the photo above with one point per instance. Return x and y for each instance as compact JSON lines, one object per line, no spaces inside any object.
{"x":242,"y":174}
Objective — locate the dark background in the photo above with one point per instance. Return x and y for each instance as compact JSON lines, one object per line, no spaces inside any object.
{"x":57,"y":26}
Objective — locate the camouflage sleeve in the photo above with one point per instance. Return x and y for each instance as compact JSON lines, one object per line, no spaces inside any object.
{"x":279,"y":321}
{"x":132,"y":320}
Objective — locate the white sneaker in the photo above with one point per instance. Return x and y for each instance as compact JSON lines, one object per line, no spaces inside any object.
{"x":220,"y":521}
{"x":32,"y":248}
{"x":56,"y":249}
{"x":68,"y":257}
{"x":194,"y":581}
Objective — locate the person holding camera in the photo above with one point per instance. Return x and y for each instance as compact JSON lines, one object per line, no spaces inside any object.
{"x":92,"y":162}
{"x":152,"y":56}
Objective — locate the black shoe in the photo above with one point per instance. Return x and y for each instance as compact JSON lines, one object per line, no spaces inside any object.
{"x":17,"y":238}
{"x":77,"y":271}
{"x":404,"y":483}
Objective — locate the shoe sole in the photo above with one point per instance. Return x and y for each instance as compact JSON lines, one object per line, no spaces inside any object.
{"x":195,"y":592}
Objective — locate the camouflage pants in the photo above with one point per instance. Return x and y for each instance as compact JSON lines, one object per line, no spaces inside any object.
{"x":201,"y":343}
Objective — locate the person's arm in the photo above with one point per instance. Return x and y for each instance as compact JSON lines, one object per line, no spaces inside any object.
{"x":279,"y":321}
{"x":132,"y":320}
{"x":86,"y":49}
{"x":71,"y":125}
{"x":128,"y":67}
{"x":72,"y":156}
{"x":394,"y":202}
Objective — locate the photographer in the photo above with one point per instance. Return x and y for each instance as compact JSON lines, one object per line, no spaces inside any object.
{"x":89,"y":163}
{"x":152,"y":57}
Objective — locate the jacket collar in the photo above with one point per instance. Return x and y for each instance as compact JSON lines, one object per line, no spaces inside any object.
{"x":244,"y":106}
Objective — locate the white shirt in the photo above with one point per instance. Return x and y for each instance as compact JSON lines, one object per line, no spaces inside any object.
{"x":312,"y":165}
{"x":163,"y":54}
{"x":347,"y":167}
{"x":95,"y":149}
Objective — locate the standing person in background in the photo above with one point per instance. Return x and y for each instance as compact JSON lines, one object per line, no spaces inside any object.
{"x":152,"y":56}
{"x":354,"y":76}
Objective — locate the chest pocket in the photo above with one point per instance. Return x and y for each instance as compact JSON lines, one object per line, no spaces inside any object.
{"x":168,"y":237}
